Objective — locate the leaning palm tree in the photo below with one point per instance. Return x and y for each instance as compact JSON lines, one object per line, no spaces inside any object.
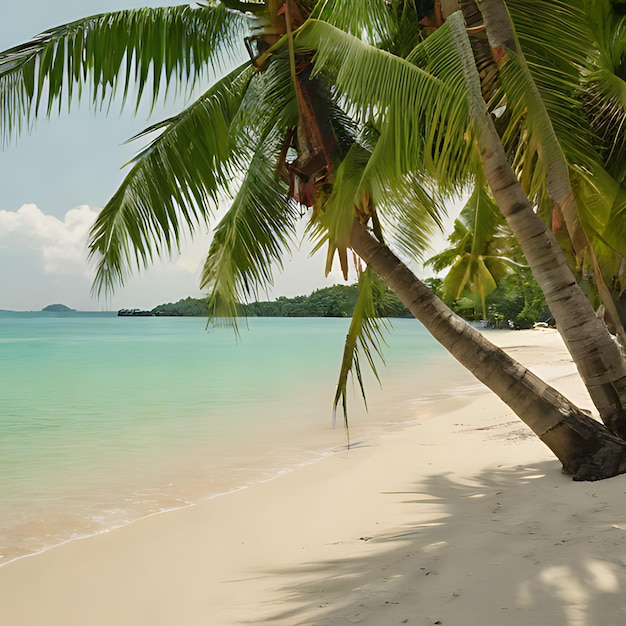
{"x":549,"y":178}
{"x":276,"y":138}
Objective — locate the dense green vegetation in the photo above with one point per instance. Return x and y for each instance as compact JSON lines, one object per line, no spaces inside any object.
{"x":335,"y":301}
{"x":517,"y":302}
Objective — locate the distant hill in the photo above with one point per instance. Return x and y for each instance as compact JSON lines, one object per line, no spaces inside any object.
{"x":57,"y":308}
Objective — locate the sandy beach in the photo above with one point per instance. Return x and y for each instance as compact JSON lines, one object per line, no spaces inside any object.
{"x":464,"y":518}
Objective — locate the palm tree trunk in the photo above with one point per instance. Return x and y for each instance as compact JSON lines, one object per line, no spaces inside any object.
{"x":597,"y":356}
{"x":595,"y":353}
{"x":501,"y":36}
{"x":585,"y":447}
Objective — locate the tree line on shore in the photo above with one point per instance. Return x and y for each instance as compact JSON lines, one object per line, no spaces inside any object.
{"x":516,"y":303}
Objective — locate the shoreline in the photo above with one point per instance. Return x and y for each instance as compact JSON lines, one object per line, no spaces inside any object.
{"x":462,"y":513}
{"x":256,"y":444}
{"x":263,"y":475}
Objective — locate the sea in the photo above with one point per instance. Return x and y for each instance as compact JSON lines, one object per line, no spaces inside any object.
{"x":106,"y":419}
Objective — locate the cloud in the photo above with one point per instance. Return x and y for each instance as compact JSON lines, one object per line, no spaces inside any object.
{"x":43,"y":259}
{"x":62,"y":243}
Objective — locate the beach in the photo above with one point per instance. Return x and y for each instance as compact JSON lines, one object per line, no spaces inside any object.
{"x":461,"y":518}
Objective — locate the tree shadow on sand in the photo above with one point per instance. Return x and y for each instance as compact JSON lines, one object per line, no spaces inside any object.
{"x":512,"y":546}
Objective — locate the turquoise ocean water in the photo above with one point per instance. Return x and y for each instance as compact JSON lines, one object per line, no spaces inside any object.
{"x":104,"y":420}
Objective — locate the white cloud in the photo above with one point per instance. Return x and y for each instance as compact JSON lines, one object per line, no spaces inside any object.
{"x":43,"y":259}
{"x":62,"y":243}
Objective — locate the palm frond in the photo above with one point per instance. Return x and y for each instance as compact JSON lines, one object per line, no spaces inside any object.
{"x":541,"y":160}
{"x":259,"y":227}
{"x":603,"y":89}
{"x":606,"y":97}
{"x":151,"y":49}
{"x":549,"y":77}
{"x":420,"y":112}
{"x":615,"y":232}
{"x":478,"y":255}
{"x":251,"y":238}
{"x":269,"y":96}
{"x":411,"y":212}
{"x":339,"y":210}
{"x":173,"y":182}
{"x":604,"y":216}
{"x":365,"y":338}
{"x":369,"y":19}
{"x":407,"y":34}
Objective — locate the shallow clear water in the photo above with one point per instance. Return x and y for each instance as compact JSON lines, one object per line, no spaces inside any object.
{"x":104,"y":419}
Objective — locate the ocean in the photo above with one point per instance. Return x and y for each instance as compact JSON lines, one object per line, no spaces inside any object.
{"x":106,"y":419}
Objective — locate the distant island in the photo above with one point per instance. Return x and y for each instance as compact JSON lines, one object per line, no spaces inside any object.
{"x":335,"y":301}
{"x":58,"y":308}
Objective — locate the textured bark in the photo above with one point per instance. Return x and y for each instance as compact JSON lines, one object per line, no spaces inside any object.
{"x":596,"y":354}
{"x":500,"y":34}
{"x":585,"y":447}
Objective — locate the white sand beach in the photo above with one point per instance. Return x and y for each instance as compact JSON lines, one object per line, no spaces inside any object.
{"x":464,"y":519}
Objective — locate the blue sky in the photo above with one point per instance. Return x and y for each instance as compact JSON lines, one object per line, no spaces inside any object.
{"x":54,"y":181}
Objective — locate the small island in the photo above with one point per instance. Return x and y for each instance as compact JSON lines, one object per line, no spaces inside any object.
{"x":58,"y":308}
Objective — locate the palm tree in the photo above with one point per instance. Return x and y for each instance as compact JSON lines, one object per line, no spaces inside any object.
{"x":477,"y":257}
{"x":275,"y":136}
{"x":447,"y":56}
{"x":587,"y":450}
{"x":566,"y":301}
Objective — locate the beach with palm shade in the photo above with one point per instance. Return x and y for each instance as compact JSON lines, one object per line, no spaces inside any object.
{"x":463,"y":512}
{"x":364,"y":120}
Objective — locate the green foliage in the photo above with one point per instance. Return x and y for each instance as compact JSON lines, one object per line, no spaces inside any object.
{"x":191,"y":307}
{"x":173,"y":184}
{"x":364,"y":338}
{"x":487,"y":278}
{"x":335,"y":301}
{"x":417,"y":105}
{"x":479,"y":255}
{"x":152,"y":50}
{"x":518,"y":302}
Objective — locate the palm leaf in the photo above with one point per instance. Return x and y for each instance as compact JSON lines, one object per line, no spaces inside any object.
{"x":603,"y":90}
{"x":146,"y":48}
{"x":365,"y":337}
{"x":252,"y":237}
{"x":260,"y":225}
{"x":420,"y":112}
{"x":369,"y":18}
{"x":411,"y":212}
{"x":173,"y":182}
{"x":338,"y":215}
{"x":477,"y":256}
{"x":555,"y":63}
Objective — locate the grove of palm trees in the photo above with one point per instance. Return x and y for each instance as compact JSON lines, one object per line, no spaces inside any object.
{"x":364,"y":119}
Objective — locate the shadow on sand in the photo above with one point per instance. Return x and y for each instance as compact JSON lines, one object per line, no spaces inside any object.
{"x":511,"y":546}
